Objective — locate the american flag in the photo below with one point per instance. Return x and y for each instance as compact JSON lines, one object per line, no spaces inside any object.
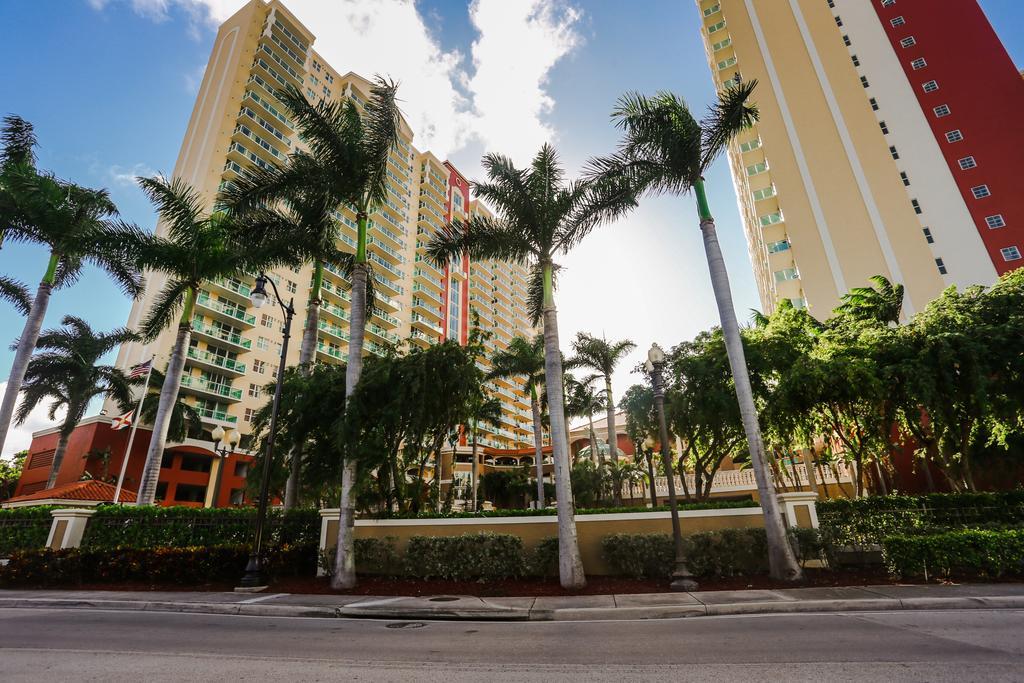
{"x":122,"y":421}
{"x":140,"y":370}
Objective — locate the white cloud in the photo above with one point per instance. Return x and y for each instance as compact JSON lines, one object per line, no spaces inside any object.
{"x":20,"y":436}
{"x":125,"y":175}
{"x":501,"y":104}
{"x":518,"y":45}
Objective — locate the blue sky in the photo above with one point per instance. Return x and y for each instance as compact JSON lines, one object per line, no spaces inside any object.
{"x":110,"y":86}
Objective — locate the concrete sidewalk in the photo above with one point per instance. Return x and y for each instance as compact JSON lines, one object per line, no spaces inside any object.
{"x":560,"y":608}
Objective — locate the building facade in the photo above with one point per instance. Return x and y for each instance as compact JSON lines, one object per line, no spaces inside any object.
{"x":238,"y":123}
{"x":875,"y":153}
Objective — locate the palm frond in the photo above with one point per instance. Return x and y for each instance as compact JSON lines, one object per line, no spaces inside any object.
{"x":178,"y":204}
{"x":535,"y":290}
{"x":483,"y":238}
{"x":730,"y":115}
{"x":381,"y":118}
{"x":165,"y":309}
{"x":18,"y":139}
{"x":16,"y":294}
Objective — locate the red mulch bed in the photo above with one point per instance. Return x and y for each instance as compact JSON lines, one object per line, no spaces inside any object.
{"x":596,"y":585}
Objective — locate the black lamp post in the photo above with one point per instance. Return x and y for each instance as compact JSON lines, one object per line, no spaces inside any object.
{"x":682,"y":579}
{"x":254,"y":568}
{"x":224,"y":443}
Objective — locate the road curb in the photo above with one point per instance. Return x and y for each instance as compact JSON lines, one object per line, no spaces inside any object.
{"x":562,"y":614}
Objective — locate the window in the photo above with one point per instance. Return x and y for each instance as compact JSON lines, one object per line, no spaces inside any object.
{"x":254,"y":389}
{"x":771,"y":218}
{"x":262,"y":343}
{"x":846,"y":41}
{"x":750,"y":145}
{"x":930,"y":86}
{"x":799,"y":302}
{"x":167,"y":460}
{"x":250,"y":413}
{"x":874,"y":104}
{"x":967,"y":163}
{"x":885,"y":128}
{"x":722,"y":44}
{"x":776,"y":247}
{"x":195,"y":463}
{"x":995,"y":221}
{"x":726,"y":63}
{"x":941,"y":266}
{"x":755,"y":169}
{"x":291,"y":286}
{"x":856,"y":62}
{"x":711,"y":10}
{"x":918,"y":63}
{"x":864,"y":81}
{"x":786,"y":274}
{"x":267,"y":320}
{"x":714,"y":28}
{"x":832,"y":4}
{"x":897,"y":21}
{"x":189,"y":493}
{"x":980,"y":191}
{"x":241,"y":469}
{"x":764,"y":193}
{"x":954,"y":136}
{"x":237,"y":496}
{"x":161,"y":490}
{"x":909,"y":41}
{"x":259,"y":366}
{"x":941,"y":110}
{"x":917,"y":206}
{"x":928,"y":235}
{"x":892,"y":150}
{"x":1010,"y":253}
{"x":905,"y":178}
{"x":888,"y":3}
{"x":839,"y":21}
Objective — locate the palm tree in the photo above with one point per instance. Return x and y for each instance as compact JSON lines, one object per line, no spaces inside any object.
{"x":666,"y":150}
{"x":582,"y":399}
{"x":185,"y":419}
{"x":540,"y":216}
{"x":881,"y":303}
{"x":16,"y":294}
{"x":601,"y":356}
{"x":67,"y":372}
{"x":291,"y":206}
{"x":193,"y":247}
{"x":77,"y":225}
{"x":349,"y":145}
{"x":525,"y":359}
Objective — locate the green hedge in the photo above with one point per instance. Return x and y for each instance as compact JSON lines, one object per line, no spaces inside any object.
{"x":478,"y":556}
{"x":115,"y":526}
{"x":728,"y":552}
{"x":24,"y":528}
{"x":869,"y":520}
{"x":964,"y":553}
{"x":186,"y":566}
{"x":520,"y":512}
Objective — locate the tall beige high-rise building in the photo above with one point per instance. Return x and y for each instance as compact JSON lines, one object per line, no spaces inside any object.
{"x":867,"y":159}
{"x":236,"y":124}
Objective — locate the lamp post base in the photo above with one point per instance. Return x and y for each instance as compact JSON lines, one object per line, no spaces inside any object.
{"x":253,"y":576}
{"x":682,"y":580}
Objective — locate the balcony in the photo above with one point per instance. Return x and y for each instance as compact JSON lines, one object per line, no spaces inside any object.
{"x":208,"y":360}
{"x":333,"y":330}
{"x":423,"y":275}
{"x":334,"y":311}
{"x":428,"y":292}
{"x":380,"y":332}
{"x":331,"y":352}
{"x":422,"y":338}
{"x":204,"y":387}
{"x":224,"y":311}
{"x":425,"y":324}
{"x":422,"y":307}
{"x":217,"y":416}
{"x":219,"y":336}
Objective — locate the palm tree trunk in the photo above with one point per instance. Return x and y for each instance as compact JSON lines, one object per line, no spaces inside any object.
{"x":538,"y":446}
{"x":26,"y":345}
{"x":58,"y":455}
{"x":344,"y":558}
{"x":613,"y":438}
{"x":594,"y":456}
{"x":650,"y":477}
{"x":306,"y":351}
{"x":168,"y":397}
{"x":473,"y":470}
{"x":570,"y":565}
{"x":781,"y":559}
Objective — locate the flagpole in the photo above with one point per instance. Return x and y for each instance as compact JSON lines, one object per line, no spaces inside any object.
{"x":131,"y":436}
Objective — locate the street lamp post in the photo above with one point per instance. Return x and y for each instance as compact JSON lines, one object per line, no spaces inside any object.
{"x":224,"y":443}
{"x":254,"y":568}
{"x":682,"y":579}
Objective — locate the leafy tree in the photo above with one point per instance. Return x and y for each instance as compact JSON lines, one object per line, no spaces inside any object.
{"x":525,"y":359}
{"x":77,"y":225}
{"x":582,"y":400}
{"x":666,"y":150}
{"x":67,"y":373}
{"x":601,"y":356}
{"x":10,"y":473}
{"x":540,"y":215}
{"x":641,"y":427}
{"x":192,"y":247}
{"x":185,"y":419}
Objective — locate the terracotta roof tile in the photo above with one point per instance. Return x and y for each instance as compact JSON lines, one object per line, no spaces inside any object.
{"x":90,"y":490}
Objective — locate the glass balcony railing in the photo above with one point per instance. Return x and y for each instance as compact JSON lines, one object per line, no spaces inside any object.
{"x":205,"y":300}
{"x":214,"y":359}
{"x":220,"y":335}
{"x":211,"y":414}
{"x":203,"y":384}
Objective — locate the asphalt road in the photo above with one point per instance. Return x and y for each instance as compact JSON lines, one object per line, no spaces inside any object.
{"x":75,"y":645}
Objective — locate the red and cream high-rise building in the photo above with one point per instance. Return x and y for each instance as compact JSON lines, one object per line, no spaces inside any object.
{"x":887,"y":144}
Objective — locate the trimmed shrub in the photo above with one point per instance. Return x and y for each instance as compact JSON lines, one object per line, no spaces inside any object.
{"x":377,"y":556}
{"x":868,"y":520}
{"x":729,"y":552}
{"x":115,"y":526}
{"x":478,"y":556}
{"x":543,"y":561}
{"x":971,"y":553}
{"x":24,"y":528}
{"x":189,"y":566}
{"x":639,"y":555}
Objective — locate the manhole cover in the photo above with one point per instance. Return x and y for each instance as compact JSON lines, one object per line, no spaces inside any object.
{"x":407,"y":624}
{"x":443,"y":598}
